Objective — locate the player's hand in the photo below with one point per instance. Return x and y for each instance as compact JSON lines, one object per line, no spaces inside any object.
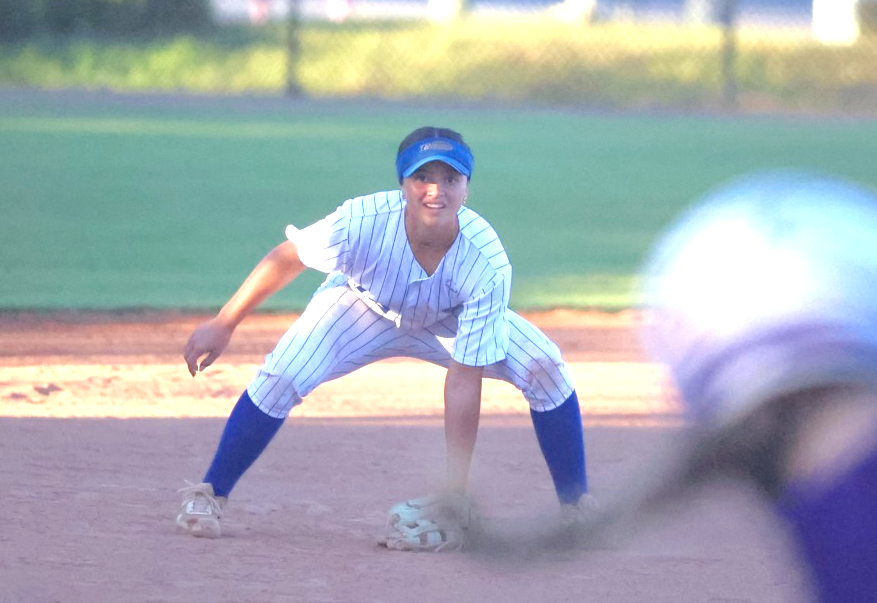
{"x":205,"y":345}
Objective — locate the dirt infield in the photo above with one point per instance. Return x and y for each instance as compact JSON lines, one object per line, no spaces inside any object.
{"x":100,"y":423}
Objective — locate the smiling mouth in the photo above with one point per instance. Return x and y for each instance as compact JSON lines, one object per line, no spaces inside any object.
{"x":434,"y":205}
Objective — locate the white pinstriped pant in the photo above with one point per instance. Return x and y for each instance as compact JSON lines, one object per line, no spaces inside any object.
{"x":338,"y":333}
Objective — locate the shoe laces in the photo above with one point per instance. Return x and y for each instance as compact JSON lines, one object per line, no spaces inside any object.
{"x":201,"y":498}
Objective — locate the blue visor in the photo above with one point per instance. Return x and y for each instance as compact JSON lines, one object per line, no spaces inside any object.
{"x":423,"y":151}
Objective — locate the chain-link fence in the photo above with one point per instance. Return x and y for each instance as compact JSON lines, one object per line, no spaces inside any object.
{"x":744,"y":55}
{"x":734,"y":54}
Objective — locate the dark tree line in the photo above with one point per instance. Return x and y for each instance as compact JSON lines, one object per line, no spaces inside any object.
{"x":23,"y":19}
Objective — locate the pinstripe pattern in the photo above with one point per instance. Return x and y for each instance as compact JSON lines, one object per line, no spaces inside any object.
{"x":459,"y":312}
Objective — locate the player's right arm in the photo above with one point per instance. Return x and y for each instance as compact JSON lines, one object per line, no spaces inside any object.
{"x":276,"y":270}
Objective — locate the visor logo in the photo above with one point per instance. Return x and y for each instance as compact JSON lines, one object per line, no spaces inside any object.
{"x":438,"y":145}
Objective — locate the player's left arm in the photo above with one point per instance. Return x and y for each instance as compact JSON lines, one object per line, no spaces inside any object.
{"x":482,"y":339}
{"x":462,"y":414}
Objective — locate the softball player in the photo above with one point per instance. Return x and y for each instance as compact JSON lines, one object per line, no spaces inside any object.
{"x":412,"y":273}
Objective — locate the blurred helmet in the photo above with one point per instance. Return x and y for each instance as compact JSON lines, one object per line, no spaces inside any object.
{"x":765,"y":287}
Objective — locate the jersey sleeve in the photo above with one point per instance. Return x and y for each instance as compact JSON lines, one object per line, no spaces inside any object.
{"x":324,"y":245}
{"x":482,"y":326}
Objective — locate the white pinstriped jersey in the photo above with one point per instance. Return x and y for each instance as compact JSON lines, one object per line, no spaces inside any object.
{"x":365,"y":240}
{"x":459,"y":312}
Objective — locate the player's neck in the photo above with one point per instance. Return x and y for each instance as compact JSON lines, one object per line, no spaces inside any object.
{"x":439,"y":235}
{"x":430,"y":243}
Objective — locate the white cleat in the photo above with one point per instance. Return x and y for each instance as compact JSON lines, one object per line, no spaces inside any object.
{"x":200,"y":511}
{"x":581,"y":513}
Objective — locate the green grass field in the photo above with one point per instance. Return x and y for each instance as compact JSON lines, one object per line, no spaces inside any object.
{"x":112,"y":201}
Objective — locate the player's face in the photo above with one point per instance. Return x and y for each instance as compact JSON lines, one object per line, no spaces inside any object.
{"x":435,"y":193}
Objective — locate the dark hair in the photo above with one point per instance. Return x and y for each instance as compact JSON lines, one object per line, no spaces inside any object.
{"x":431,"y":132}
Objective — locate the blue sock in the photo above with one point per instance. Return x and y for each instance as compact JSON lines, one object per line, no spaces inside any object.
{"x":560,"y":436}
{"x":245,"y":436}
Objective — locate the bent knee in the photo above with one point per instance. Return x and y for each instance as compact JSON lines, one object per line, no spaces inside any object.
{"x":547,"y":383}
{"x":275,"y":395}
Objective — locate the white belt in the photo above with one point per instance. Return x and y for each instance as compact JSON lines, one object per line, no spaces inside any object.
{"x":375,"y":305}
